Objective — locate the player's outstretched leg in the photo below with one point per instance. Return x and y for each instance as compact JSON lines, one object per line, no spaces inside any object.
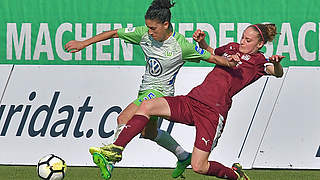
{"x":111,"y":152}
{"x":104,"y":166}
{"x":238,"y":169}
{"x":181,"y":167}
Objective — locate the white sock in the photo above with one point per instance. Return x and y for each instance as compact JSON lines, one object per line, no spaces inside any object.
{"x":165,"y":140}
{"x":118,"y":131}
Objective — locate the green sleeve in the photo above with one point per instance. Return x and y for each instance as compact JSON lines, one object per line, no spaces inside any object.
{"x":191,"y":52}
{"x":132,"y":35}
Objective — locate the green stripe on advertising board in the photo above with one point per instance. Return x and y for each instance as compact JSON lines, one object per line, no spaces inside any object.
{"x":34,"y":31}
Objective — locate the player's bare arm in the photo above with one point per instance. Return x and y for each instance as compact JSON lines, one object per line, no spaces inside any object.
{"x":222,"y":61}
{"x":275,"y":70}
{"x":75,"y":46}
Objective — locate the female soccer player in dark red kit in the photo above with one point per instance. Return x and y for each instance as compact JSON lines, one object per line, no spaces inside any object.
{"x":206,"y":106}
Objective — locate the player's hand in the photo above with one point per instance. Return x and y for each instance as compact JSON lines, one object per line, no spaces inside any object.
{"x":276,"y":59}
{"x":234,"y":60}
{"x":74,"y":46}
{"x":199,"y":35}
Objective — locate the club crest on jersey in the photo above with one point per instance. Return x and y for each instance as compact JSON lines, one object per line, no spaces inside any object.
{"x":155,"y":68}
{"x":168,"y":53}
{"x":246,"y":57}
{"x":199,"y":50}
{"x":129,"y":29}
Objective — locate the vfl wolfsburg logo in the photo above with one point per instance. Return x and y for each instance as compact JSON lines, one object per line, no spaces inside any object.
{"x":168,"y":53}
{"x":155,"y":68}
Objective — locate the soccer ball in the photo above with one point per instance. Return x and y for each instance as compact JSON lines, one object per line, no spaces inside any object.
{"x":51,"y":167}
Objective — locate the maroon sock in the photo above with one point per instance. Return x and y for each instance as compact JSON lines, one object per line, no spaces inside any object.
{"x":134,"y":126}
{"x":219,"y":170}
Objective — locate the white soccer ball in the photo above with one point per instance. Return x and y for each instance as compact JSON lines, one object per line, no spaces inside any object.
{"x":51,"y":167}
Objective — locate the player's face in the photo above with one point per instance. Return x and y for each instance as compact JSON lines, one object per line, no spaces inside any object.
{"x":157,"y":30}
{"x":250,"y":42}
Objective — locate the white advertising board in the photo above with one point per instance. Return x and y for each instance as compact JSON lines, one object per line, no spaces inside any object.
{"x":62,"y":110}
{"x":66,"y":109}
{"x":5,"y":71}
{"x":259,"y":119}
{"x":291,"y":139}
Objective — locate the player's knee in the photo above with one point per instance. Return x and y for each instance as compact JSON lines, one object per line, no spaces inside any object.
{"x":144,"y":108}
{"x":122,"y":119}
{"x":199,"y":167}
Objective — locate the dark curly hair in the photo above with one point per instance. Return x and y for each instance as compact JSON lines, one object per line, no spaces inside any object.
{"x":160,"y":10}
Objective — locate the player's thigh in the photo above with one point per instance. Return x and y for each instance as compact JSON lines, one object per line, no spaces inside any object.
{"x":127,"y":113}
{"x":208,"y":129}
{"x":155,"y":107}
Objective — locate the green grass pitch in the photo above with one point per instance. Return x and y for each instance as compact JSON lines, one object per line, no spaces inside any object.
{"x":93,"y":173}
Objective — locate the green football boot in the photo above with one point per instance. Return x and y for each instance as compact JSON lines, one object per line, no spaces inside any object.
{"x":104,"y":166}
{"x":238,"y":169}
{"x":111,"y":152}
{"x":181,"y":167}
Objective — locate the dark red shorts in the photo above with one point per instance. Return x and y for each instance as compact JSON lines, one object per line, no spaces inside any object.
{"x":209,"y":124}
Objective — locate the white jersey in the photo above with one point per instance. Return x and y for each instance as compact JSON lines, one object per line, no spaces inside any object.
{"x":164,"y":59}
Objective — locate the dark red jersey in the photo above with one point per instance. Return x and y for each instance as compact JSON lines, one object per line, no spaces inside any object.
{"x":222,"y":83}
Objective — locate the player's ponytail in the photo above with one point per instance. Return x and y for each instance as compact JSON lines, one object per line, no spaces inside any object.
{"x":266,"y":32}
{"x":160,"y":10}
{"x":271,"y":31}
